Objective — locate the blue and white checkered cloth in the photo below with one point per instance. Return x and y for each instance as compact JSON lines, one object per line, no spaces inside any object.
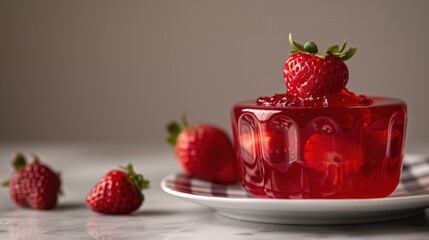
{"x":414,"y":181}
{"x":414,"y":177}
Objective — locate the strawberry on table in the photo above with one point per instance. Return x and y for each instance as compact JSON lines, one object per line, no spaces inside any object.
{"x":204,"y":151}
{"x":33,"y":185}
{"x":118,"y":192}
{"x":309,"y":74}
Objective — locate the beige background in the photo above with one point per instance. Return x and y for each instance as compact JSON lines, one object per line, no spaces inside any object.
{"x":120,"y":70}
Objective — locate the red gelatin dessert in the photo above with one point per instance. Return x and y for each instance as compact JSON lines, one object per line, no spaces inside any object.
{"x":319,"y":140}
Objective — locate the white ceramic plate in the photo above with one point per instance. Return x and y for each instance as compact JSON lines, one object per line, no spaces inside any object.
{"x":234,"y":202}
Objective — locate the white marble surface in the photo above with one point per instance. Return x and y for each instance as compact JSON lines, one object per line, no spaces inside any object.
{"x":162,"y":216}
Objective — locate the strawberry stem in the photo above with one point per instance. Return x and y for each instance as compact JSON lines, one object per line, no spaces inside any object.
{"x":185,"y":123}
{"x":19,"y":161}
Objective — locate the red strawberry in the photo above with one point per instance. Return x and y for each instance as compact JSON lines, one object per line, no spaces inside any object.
{"x":323,"y":150}
{"x":119,"y":192}
{"x":309,"y":74}
{"x":34,"y":185}
{"x":204,"y":151}
{"x":273,"y":147}
{"x":379,"y":145}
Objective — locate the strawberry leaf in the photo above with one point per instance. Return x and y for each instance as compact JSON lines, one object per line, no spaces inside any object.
{"x":5,"y":183}
{"x":343,"y":46}
{"x":295,"y":45}
{"x":349,"y":54}
{"x":333,"y":49}
{"x":311,"y":47}
{"x":174,"y":129}
{"x":19,"y":161}
{"x":146,"y":184}
{"x":136,"y":179}
{"x":60,"y":191}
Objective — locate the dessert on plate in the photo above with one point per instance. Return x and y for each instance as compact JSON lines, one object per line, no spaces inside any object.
{"x":319,"y":139}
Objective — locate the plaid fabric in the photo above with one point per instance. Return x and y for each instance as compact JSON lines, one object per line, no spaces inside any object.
{"x":414,"y":181}
{"x":414,"y":177}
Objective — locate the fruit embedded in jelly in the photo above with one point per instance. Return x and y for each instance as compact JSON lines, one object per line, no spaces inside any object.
{"x":350,"y":152}
{"x":322,"y":150}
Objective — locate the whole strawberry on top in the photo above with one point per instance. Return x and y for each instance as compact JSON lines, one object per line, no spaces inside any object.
{"x":33,"y":185}
{"x":310,"y":74}
{"x":204,"y":151}
{"x":316,"y":79}
{"x":118,"y":192}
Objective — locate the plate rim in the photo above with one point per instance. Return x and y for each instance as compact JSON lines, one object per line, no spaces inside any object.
{"x":390,"y":203}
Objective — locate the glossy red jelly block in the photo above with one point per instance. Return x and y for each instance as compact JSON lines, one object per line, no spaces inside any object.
{"x":330,"y":152}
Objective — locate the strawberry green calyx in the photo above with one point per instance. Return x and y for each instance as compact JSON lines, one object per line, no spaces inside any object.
{"x":19,"y":161}
{"x":174,"y":129}
{"x":311,"y":48}
{"x":136,"y":179}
